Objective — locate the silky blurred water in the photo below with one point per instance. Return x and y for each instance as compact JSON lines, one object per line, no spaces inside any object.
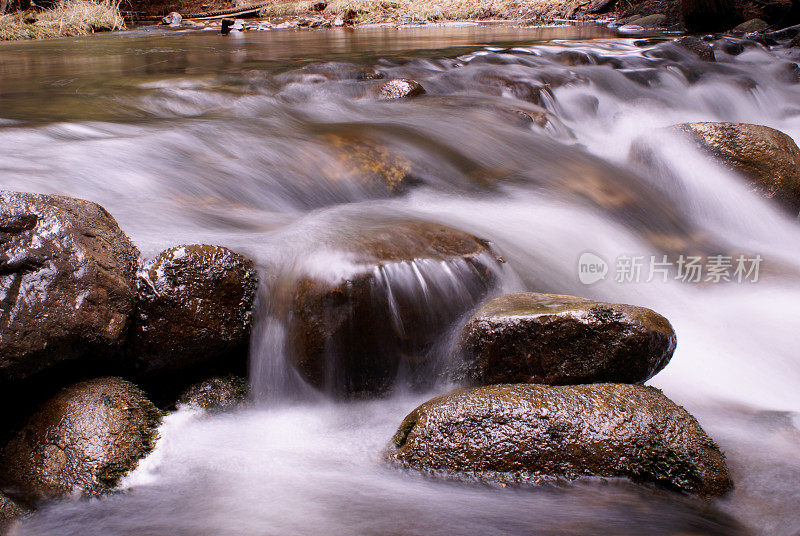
{"x":189,"y":137}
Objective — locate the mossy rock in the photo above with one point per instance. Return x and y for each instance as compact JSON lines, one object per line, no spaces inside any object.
{"x":558,"y":340}
{"x":379,"y":313}
{"x":767,"y":157}
{"x":195,"y":310}
{"x":68,"y":277}
{"x":82,"y":440}
{"x":534,"y":433}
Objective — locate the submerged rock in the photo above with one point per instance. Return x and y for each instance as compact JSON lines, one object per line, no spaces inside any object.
{"x":216,"y":393}
{"x":367,"y":161}
{"x":531,"y":433}
{"x":82,"y":440}
{"x":767,"y":157}
{"x":195,"y":309}
{"x":67,"y":282}
{"x":357,"y":323}
{"x":558,"y":340}
{"x":400,"y":88}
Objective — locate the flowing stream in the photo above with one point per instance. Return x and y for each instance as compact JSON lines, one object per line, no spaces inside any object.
{"x":193,"y":137}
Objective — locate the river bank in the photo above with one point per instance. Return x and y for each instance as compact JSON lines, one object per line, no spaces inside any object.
{"x":69,"y":18}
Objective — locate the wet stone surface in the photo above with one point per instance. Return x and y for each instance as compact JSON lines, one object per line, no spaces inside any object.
{"x":531,"y":433}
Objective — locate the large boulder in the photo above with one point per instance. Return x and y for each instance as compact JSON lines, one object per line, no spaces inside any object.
{"x":82,"y":440}
{"x":534,"y":433}
{"x":67,"y":282}
{"x":356,"y":324}
{"x":195,"y":310}
{"x":558,"y":340}
{"x":220,"y":392}
{"x":767,"y":157}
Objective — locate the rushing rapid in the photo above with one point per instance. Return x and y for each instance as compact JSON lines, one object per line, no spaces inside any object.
{"x":549,"y":143}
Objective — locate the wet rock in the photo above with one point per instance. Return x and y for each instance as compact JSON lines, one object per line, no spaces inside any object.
{"x":656,"y":20}
{"x":10,"y":510}
{"x":172,"y":18}
{"x":767,"y":157}
{"x":82,"y":440}
{"x":231,"y":25}
{"x":628,"y":20}
{"x":67,"y":283}
{"x":216,"y":393}
{"x":750,"y":26}
{"x":195,"y":308}
{"x":533,"y":433}
{"x":701,"y":49}
{"x":367,"y":161}
{"x":358,"y":323}
{"x":560,"y":340}
{"x":330,"y":70}
{"x":526,"y":90}
{"x":400,"y":88}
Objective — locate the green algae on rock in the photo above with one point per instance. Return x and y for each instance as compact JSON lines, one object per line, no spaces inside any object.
{"x":553,"y":339}
{"x":530,"y":433}
{"x":84,"y":439}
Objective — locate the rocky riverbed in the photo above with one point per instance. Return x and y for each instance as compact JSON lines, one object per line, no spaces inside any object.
{"x":234,"y":344}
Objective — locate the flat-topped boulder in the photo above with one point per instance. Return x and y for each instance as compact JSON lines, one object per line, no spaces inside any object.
{"x":67,"y":283}
{"x":534,"y":433}
{"x":371,"y":307}
{"x":554,"y":339}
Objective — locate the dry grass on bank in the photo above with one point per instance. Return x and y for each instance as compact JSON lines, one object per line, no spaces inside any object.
{"x":405,"y":11}
{"x":68,"y":18}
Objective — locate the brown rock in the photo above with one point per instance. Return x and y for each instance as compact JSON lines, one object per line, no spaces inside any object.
{"x":10,"y":510}
{"x":404,"y":285}
{"x":195,"y":309}
{"x":767,"y":157}
{"x":561,"y":340}
{"x":400,"y":88}
{"x":367,"y":161}
{"x":534,"y":433}
{"x":216,"y":393}
{"x":82,"y":440}
{"x":67,"y":282}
